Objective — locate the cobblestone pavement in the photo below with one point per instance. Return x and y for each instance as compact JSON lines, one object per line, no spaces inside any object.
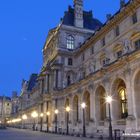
{"x":18,"y":134}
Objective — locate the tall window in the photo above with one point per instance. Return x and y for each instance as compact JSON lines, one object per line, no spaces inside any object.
{"x":70,"y":61}
{"x":92,"y":50}
{"x":123,"y":103}
{"x":103,"y":42}
{"x":134,"y":18}
{"x":117,"y":31}
{"x":68,"y":80}
{"x":137,"y":44}
{"x":56,"y":80}
{"x":70,"y":42}
{"x":83,"y":57}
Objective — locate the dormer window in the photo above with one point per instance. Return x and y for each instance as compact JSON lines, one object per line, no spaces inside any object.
{"x":70,"y":42}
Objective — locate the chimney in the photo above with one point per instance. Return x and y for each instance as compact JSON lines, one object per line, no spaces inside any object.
{"x":122,"y":3}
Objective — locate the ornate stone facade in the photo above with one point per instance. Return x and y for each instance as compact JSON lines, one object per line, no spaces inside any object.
{"x":85,"y":63}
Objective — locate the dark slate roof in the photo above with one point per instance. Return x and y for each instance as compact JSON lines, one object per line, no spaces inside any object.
{"x":6,"y":98}
{"x":32,"y":82}
{"x":89,"y":21}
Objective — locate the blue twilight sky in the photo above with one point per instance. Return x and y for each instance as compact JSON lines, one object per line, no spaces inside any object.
{"x":24,"y":25}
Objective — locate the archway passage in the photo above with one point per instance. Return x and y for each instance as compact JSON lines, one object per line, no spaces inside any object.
{"x":137,"y":93}
{"x":75,"y":109}
{"x":100,"y":103}
{"x":87,"y":109}
{"x":119,"y":104}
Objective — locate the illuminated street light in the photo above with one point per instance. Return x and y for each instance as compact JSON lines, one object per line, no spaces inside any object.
{"x":83,"y":105}
{"x":24,"y":117}
{"x":56,"y":113}
{"x":67,"y":113}
{"x":109,"y":100}
{"x":34,"y":114}
{"x":41,"y":115}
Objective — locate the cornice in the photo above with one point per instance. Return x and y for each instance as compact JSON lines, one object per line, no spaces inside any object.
{"x":109,"y":25}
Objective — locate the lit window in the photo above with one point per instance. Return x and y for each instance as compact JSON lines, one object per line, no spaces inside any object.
{"x":70,"y":42}
{"x":134,"y":18}
{"x":123,"y":102}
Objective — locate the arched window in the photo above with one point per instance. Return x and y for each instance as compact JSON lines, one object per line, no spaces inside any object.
{"x":70,"y":42}
{"x":123,"y":103}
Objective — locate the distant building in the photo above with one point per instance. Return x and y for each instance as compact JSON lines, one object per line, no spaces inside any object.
{"x":5,"y":108}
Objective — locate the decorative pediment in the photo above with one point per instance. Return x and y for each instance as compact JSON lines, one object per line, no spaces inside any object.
{"x":135,"y":35}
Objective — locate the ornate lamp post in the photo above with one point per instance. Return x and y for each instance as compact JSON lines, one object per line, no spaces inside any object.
{"x":67,"y":113}
{"x":109,"y":100}
{"x":34,"y":115}
{"x":56,"y":113}
{"x":24,"y":117}
{"x":41,"y":121}
{"x":48,"y":114}
{"x":83,"y":105}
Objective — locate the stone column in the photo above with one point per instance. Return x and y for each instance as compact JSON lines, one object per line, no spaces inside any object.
{"x":129,"y":93}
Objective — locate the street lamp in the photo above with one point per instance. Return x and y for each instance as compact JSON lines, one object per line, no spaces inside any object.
{"x":67,"y":113}
{"x":41,"y":120}
{"x":34,"y":115}
{"x":48,"y":114}
{"x":109,"y":100}
{"x":83,"y":105}
{"x":56,"y":113}
{"x":24,"y":117}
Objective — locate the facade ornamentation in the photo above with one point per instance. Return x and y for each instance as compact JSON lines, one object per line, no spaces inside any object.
{"x":84,"y":61}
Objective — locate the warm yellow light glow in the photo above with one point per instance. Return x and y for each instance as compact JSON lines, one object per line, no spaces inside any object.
{"x":24,"y":117}
{"x":83,"y":105}
{"x":41,"y":115}
{"x":48,"y":113}
{"x":15,"y":120}
{"x":68,"y":109}
{"x":34,"y":114}
{"x":56,"y":111}
{"x":108,"y":99}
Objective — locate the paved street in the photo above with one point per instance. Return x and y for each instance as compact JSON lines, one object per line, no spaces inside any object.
{"x":15,"y":134}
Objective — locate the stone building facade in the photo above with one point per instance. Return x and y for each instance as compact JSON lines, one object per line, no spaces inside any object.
{"x":5,"y":109}
{"x":84,"y":61}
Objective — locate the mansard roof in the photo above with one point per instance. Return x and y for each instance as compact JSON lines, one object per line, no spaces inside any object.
{"x":89,"y":22}
{"x":6,"y":98}
{"x":32,"y":82}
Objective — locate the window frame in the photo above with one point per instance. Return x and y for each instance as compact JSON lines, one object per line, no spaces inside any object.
{"x":70,"y":42}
